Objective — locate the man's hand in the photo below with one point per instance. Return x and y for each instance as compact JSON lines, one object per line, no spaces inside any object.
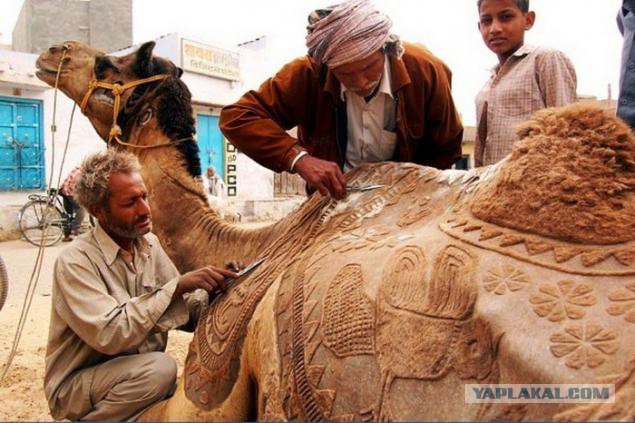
{"x":209,"y":278}
{"x":322,"y":175}
{"x":235,"y":265}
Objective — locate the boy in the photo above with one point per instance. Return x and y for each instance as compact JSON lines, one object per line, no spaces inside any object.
{"x":525,"y":80}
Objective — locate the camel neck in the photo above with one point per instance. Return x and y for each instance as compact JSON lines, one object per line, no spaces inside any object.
{"x":191,"y":232}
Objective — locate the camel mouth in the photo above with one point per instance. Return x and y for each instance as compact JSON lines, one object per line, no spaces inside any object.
{"x":104,"y":96}
{"x":44,"y":73}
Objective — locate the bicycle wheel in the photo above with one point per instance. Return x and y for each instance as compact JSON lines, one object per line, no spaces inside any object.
{"x":38,"y":220}
{"x":4,"y":283}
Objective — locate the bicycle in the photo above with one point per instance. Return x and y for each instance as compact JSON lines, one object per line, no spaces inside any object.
{"x":44,"y":220}
{"x":4,"y":283}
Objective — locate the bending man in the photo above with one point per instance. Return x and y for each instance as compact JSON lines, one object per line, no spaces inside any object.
{"x":361,"y":95}
{"x":115,"y":296}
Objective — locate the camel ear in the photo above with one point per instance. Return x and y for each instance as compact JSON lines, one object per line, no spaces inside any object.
{"x":143,"y":63}
{"x":179,"y":72}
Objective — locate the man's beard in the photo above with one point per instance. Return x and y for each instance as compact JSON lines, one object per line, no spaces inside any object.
{"x":123,"y":230}
{"x":371,"y":87}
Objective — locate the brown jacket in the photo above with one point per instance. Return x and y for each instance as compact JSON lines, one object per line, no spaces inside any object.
{"x":306,"y":95}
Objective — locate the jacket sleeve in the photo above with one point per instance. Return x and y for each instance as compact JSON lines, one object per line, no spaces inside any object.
{"x":443,"y":133}
{"x":257,"y":123}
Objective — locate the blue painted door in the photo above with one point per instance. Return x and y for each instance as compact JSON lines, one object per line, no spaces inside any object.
{"x":21,"y":145}
{"x":211,"y":144}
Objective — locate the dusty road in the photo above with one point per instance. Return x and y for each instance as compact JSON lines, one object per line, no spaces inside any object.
{"x":21,"y":393}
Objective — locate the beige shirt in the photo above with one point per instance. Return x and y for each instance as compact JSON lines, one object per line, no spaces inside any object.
{"x":371,"y":125}
{"x":105,"y":303}
{"x":531,"y":79}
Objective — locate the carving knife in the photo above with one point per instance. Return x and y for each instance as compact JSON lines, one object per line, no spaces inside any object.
{"x":229,"y":282}
{"x":362,"y":188}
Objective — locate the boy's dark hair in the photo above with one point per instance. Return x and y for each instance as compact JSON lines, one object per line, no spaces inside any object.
{"x":523,"y":5}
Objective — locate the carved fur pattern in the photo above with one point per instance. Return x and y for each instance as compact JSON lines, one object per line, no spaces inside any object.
{"x":561,"y":254}
{"x":623,"y":408}
{"x":348,"y":321}
{"x":213,"y":360}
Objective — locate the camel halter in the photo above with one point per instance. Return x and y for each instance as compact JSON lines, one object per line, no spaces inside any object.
{"x":117,"y":90}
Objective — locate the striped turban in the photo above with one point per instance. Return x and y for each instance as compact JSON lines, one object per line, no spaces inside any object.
{"x":346,"y":32}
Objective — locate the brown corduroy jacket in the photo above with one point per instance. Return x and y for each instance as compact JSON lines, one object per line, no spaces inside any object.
{"x":306,"y":95}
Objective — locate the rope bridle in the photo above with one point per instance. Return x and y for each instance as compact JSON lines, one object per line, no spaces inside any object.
{"x":117,"y":90}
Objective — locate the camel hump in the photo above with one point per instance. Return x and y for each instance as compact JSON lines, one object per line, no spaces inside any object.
{"x":571,"y":176}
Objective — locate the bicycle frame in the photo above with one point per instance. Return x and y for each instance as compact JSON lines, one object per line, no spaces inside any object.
{"x":54,"y":199}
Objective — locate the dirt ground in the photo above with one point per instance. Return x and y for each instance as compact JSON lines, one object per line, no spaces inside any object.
{"x":22,"y":393}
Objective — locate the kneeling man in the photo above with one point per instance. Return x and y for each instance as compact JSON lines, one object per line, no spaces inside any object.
{"x":115,"y":296}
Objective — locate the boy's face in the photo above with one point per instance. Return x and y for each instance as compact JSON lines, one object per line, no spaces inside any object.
{"x":503,"y":25}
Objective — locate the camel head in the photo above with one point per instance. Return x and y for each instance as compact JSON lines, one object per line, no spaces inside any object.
{"x":151,"y":112}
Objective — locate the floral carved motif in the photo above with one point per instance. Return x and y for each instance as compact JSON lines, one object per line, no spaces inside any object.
{"x":505,"y":279}
{"x":565,"y":299}
{"x":623,"y":302}
{"x":584,"y":345}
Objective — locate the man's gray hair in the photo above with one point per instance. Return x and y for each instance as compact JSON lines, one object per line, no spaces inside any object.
{"x":91,"y":187}
{"x":523,"y":5}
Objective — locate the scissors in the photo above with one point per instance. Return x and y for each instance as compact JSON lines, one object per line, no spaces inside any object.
{"x":362,"y":188}
{"x":229,"y":282}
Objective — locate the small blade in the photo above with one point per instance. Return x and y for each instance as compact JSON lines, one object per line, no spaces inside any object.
{"x":246,"y":270}
{"x":364,"y":187}
{"x":229,"y":282}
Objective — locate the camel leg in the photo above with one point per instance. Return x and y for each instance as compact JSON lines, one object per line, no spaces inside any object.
{"x":180,"y":408}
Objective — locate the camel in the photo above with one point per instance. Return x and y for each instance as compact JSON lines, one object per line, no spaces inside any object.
{"x":389,"y":304}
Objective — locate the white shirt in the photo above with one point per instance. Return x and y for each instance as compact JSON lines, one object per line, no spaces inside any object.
{"x":371,"y":125}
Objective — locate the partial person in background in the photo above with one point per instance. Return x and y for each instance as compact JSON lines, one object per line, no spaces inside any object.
{"x":526,"y":79}
{"x":67,"y":191}
{"x":359,"y":96}
{"x":214,"y":183}
{"x":626,"y":101}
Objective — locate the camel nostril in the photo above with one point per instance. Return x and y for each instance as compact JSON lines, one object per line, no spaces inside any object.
{"x":67,"y":59}
{"x":53,"y":49}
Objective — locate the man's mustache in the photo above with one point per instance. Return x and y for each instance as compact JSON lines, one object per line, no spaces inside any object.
{"x":369,"y":86}
{"x":143,"y":219}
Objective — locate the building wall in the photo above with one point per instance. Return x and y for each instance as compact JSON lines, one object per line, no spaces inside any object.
{"x":104,"y":24}
{"x":110,"y":24}
{"x":21,"y":36}
{"x":83,"y":139}
{"x":468,"y":150}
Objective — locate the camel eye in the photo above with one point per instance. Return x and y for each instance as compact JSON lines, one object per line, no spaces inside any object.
{"x":146,"y":117}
